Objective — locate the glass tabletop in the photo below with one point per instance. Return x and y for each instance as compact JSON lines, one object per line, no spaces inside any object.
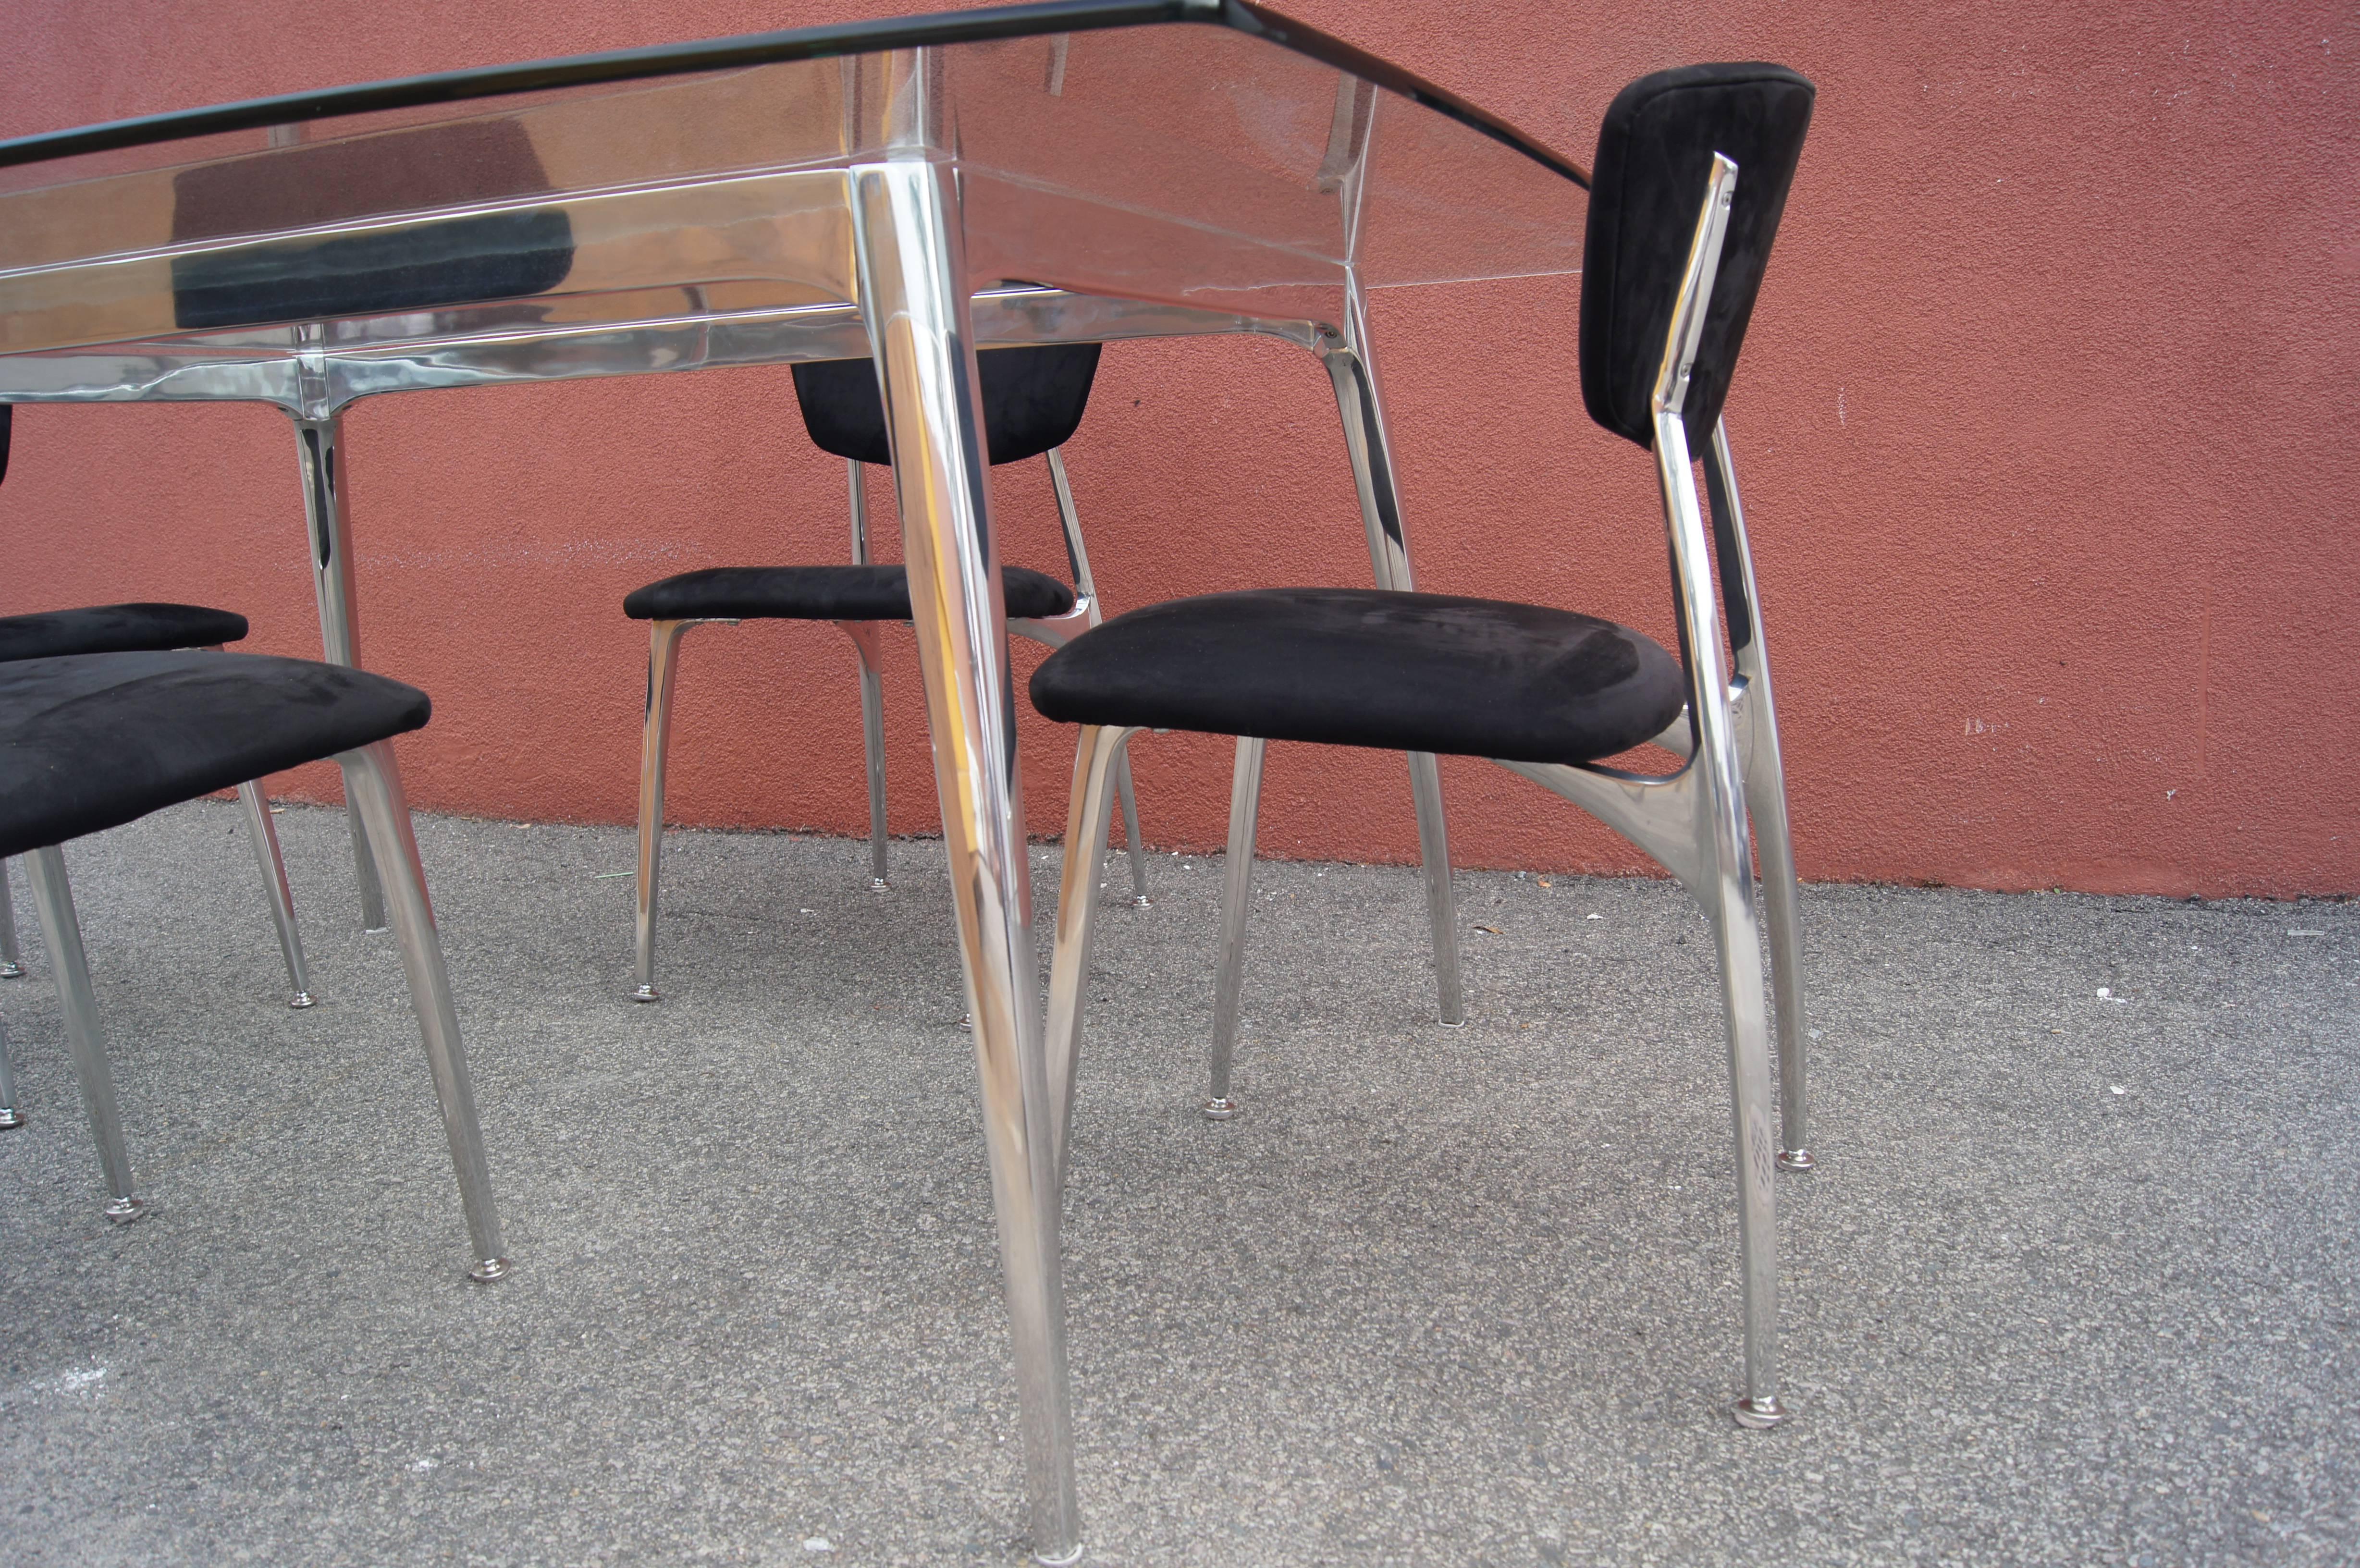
{"x":1123,"y":169}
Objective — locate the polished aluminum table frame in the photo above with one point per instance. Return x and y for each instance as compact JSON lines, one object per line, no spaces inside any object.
{"x":909,"y":190}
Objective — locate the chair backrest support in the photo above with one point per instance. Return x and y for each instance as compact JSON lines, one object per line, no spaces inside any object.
{"x":1656,"y":152}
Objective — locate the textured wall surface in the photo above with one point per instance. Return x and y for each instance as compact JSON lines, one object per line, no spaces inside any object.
{"x":2047,"y":427}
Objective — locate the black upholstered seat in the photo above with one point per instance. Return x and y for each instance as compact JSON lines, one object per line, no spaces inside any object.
{"x":820,"y":594}
{"x":99,"y":740}
{"x":116,"y":628}
{"x":1365,"y":667}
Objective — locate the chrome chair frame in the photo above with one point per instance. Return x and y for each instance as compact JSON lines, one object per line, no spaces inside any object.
{"x":1692,"y":822}
{"x":262,"y":834}
{"x":11,"y":1118}
{"x":663,"y":664}
{"x":374,"y":787}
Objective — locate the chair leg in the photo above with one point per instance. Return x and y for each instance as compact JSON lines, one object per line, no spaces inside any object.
{"x":263,"y":834}
{"x":370,"y":778}
{"x":1766,"y":799}
{"x":1765,"y":803}
{"x":10,"y":1117}
{"x":1441,"y":905}
{"x":53,"y":902}
{"x":872,"y":741}
{"x":12,"y":963}
{"x":663,"y":662}
{"x":1237,"y":895}
{"x":1729,"y":907}
{"x":1087,"y":811}
{"x":1139,"y":898}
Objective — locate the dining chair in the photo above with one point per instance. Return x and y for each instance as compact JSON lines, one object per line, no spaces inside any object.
{"x":95,"y":741}
{"x":149,"y":628}
{"x":1691,"y":177}
{"x":1034,"y":399}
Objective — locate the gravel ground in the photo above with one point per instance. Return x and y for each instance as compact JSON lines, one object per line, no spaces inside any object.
{"x":2075,"y":1285}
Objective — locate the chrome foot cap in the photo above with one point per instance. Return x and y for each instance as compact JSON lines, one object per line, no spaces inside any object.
{"x":12,"y":972}
{"x":1220,"y":1109}
{"x":10,"y":1117}
{"x":1452,"y":1023}
{"x":1762,"y":1414}
{"x":646,"y":994}
{"x":1141,"y":901}
{"x":375,"y":930}
{"x":490,"y":1270}
{"x":303,"y":999}
{"x":1060,"y":1559}
{"x":878,"y":885}
{"x":1797,"y":1159}
{"x":122,"y":1211}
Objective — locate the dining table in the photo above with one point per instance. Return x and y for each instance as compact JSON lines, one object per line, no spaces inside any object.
{"x":906,"y":190}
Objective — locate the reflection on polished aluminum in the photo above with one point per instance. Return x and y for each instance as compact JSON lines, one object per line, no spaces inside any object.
{"x":914,"y":301}
{"x":62,"y":931}
{"x":319,"y":453}
{"x":373,"y":785}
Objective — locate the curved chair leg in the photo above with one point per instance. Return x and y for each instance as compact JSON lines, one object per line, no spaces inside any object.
{"x":1087,"y":811}
{"x":663,"y":660}
{"x":371,"y":781}
{"x":263,"y":834}
{"x":1766,"y":801}
{"x":53,"y":900}
{"x":1441,"y":903}
{"x":12,"y":963}
{"x":1129,"y":798}
{"x":10,"y":1117}
{"x":1237,"y":894}
{"x":1729,"y":907}
{"x":872,"y":741}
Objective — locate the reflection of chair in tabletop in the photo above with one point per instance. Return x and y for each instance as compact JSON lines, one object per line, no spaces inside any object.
{"x":1692,"y":173}
{"x":147,"y":628}
{"x":1032,"y":400}
{"x":91,"y":742}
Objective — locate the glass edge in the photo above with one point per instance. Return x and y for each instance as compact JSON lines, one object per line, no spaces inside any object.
{"x":615,"y":65}
{"x":1325,"y":48}
{"x":768,"y":48}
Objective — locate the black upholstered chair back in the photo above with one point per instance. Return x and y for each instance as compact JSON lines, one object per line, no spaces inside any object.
{"x":1032,"y":400}
{"x":1647,"y":186}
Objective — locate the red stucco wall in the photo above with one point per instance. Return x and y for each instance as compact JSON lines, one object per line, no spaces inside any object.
{"x":2047,"y":427}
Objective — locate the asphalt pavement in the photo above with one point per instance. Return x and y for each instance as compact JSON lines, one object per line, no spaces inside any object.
{"x":2076,"y":1283}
